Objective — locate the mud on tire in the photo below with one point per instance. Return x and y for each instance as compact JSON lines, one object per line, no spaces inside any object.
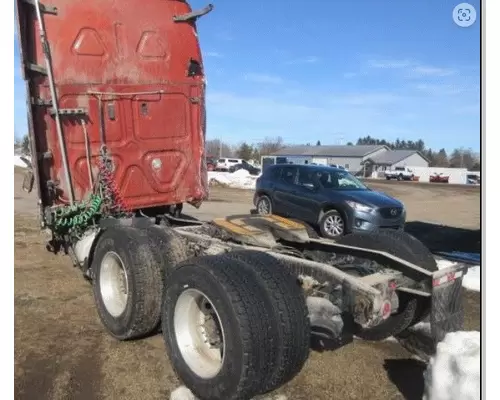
{"x":290,"y":313}
{"x":169,"y":245}
{"x":246,"y":331}
{"x":127,"y":282}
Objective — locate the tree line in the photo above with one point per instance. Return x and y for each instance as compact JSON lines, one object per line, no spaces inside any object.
{"x":458,"y":158}
{"x":246,"y":151}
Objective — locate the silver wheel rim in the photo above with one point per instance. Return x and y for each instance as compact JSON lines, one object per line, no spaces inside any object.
{"x":199,"y":333}
{"x":113,"y":284}
{"x":263,"y":207}
{"x":334,"y":225}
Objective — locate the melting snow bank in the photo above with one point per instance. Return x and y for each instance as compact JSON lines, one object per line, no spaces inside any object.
{"x":240,"y":179}
{"x":183,"y":393}
{"x":471,"y":281}
{"x":20,"y":163}
{"x":454,"y":373}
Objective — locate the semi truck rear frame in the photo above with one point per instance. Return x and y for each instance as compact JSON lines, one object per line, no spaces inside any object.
{"x":116,"y":112}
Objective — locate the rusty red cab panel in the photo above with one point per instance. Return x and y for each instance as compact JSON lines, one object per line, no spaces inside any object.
{"x":130,"y":77}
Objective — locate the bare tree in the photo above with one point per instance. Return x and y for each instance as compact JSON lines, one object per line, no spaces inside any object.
{"x":26,"y":145}
{"x":270,"y":145}
{"x":22,"y":145}
{"x":217,"y":148}
{"x":463,"y":158}
{"x":440,"y":159}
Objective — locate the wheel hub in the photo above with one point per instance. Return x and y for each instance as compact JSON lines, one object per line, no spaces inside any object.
{"x":334,"y":225}
{"x":113,"y":284}
{"x":199,"y":333}
{"x":263,"y":207}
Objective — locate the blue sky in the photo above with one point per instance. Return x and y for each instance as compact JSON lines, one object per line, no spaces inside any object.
{"x":336,"y":70}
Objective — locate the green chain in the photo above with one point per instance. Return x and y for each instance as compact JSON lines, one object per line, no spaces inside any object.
{"x":78,"y":215}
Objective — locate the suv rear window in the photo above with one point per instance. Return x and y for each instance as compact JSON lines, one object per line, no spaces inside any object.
{"x":306,"y":177}
{"x":288,"y":174}
{"x":399,"y":168}
{"x":231,"y":160}
{"x":272,"y":173}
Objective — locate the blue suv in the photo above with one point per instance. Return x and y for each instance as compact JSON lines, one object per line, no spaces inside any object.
{"x":329,"y":198}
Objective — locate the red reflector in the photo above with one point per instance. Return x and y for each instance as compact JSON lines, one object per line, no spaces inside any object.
{"x":449,"y":277}
{"x":386,"y":309}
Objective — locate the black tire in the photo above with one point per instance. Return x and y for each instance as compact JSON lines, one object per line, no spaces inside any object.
{"x":264,"y":201}
{"x":142,"y":267}
{"x":338,"y":218}
{"x":420,"y":253}
{"x":402,"y":245}
{"x":290,"y":311}
{"x":400,"y":177}
{"x":169,"y":245}
{"x":244,"y":312}
{"x":388,"y":178}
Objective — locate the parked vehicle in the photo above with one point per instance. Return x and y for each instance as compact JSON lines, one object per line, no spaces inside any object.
{"x":329,"y":198}
{"x":473,"y":179}
{"x":338,"y":166}
{"x":400,"y":173}
{"x":439,"y":178}
{"x":223,"y":164}
{"x":246,"y":166}
{"x":211,"y":163}
{"x":237,"y":298}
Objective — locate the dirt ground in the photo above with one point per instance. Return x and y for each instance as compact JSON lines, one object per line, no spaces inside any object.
{"x":63,"y":352}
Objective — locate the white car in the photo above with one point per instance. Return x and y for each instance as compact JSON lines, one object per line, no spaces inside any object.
{"x":400,"y":173}
{"x":223,"y":164}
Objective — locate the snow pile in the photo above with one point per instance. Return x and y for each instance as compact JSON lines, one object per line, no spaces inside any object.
{"x":20,"y":163}
{"x":471,"y":281}
{"x":454,"y":373}
{"x":183,"y":393}
{"x":240,"y":179}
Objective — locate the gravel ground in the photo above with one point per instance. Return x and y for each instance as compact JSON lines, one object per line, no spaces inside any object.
{"x":63,"y":352}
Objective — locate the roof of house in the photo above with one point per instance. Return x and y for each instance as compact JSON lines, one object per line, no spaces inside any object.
{"x":393,"y":156}
{"x":328,"y":151}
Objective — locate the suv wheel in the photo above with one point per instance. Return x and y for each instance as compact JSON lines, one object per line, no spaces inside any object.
{"x":332,"y":225}
{"x":264,"y":205}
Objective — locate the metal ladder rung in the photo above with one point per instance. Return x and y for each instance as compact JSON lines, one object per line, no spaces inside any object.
{"x":69,"y":111}
{"x":43,"y":8}
{"x":40,"y":10}
{"x":36,"y":68}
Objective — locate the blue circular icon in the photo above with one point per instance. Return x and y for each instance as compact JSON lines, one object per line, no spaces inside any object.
{"x":464,"y":15}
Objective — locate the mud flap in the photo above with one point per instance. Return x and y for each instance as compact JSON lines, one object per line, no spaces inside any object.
{"x":447,"y":314}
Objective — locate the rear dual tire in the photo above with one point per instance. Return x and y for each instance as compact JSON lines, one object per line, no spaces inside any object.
{"x":129,"y":268}
{"x":255,"y":307}
{"x":262,"y":315}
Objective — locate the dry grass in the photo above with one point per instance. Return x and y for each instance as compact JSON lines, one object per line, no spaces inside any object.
{"x":63,"y":352}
